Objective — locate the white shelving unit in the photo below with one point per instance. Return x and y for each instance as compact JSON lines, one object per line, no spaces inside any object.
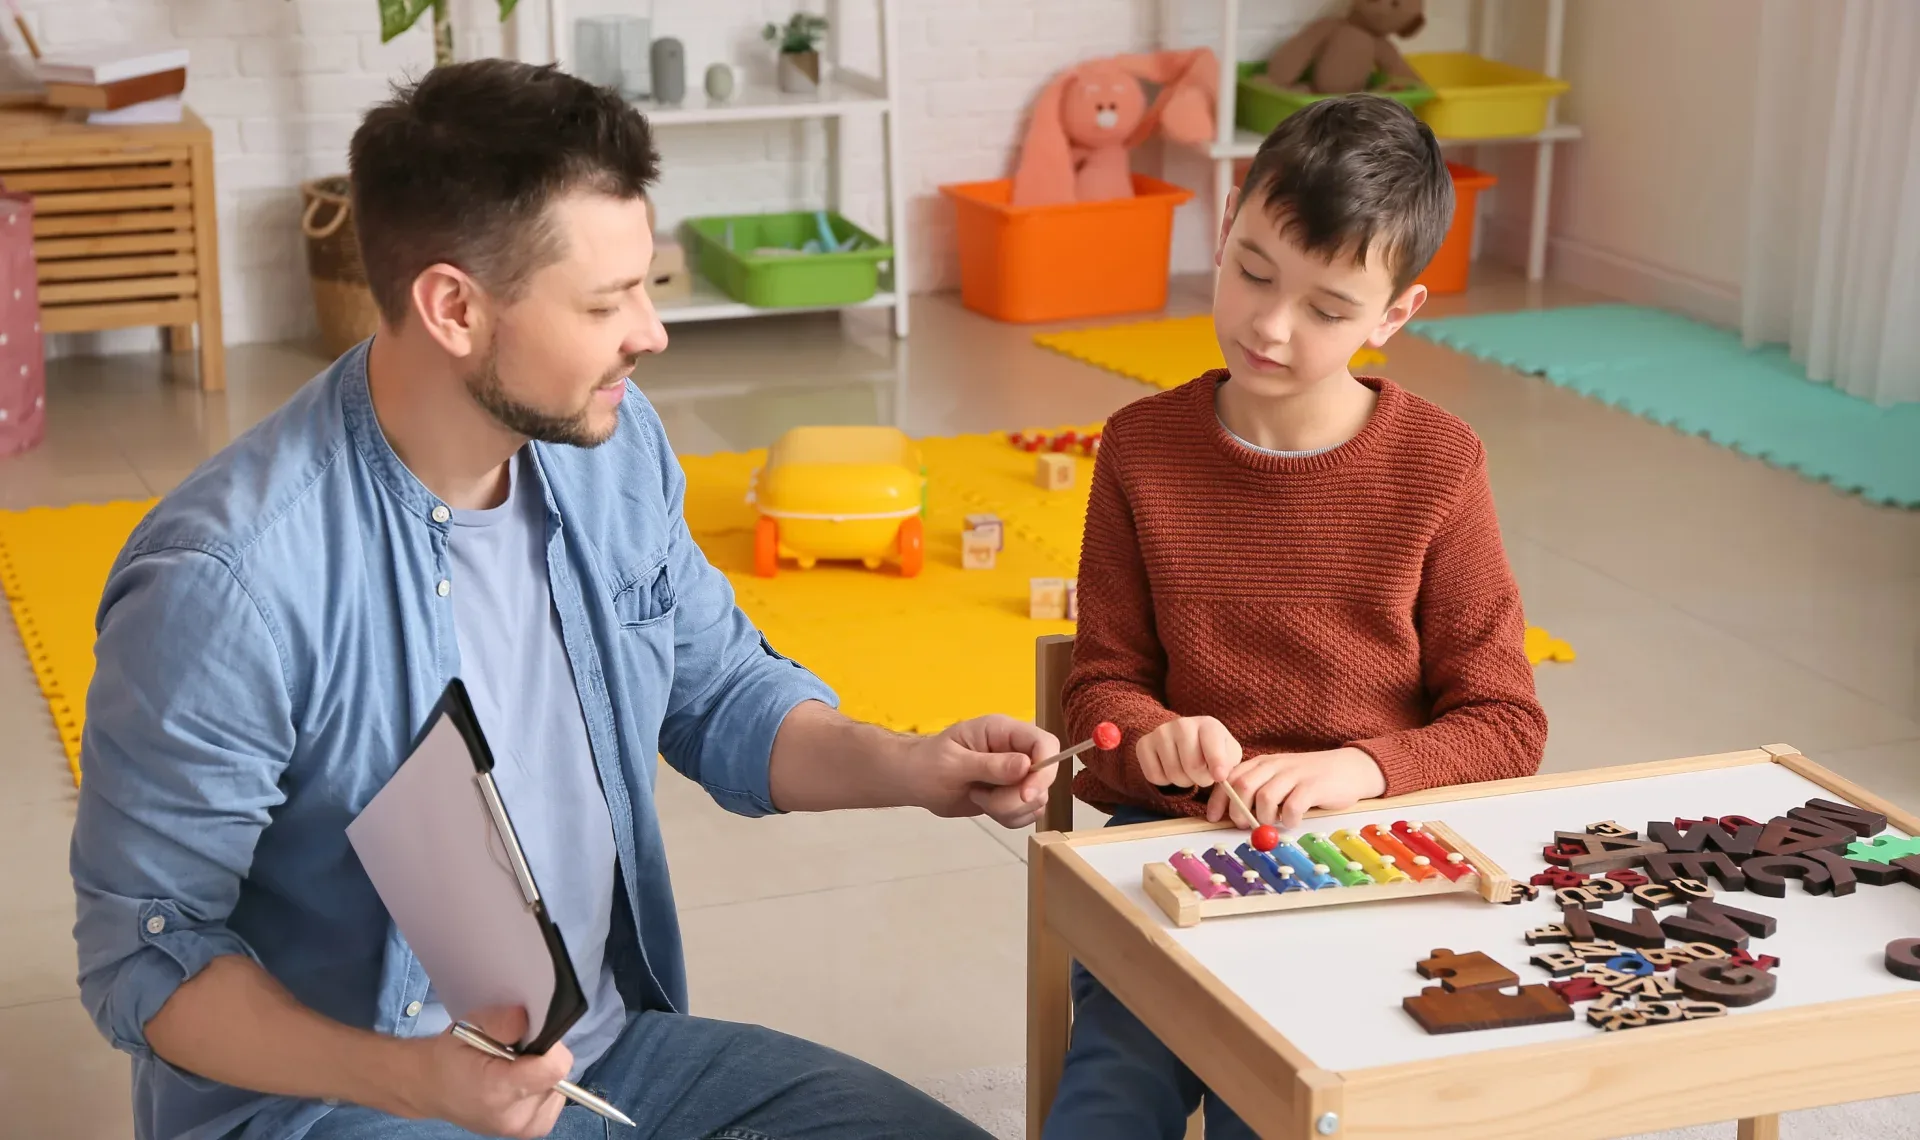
{"x":1231,"y":144}
{"x":845,"y":92}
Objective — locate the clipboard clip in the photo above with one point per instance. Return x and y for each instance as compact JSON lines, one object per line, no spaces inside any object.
{"x":490,"y":795}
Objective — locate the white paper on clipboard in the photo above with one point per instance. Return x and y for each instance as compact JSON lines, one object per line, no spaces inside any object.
{"x":429,"y":843}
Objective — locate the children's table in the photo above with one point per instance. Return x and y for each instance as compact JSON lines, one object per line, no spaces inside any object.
{"x":1295,"y":1017}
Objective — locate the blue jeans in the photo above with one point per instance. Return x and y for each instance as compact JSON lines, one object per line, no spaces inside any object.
{"x":687,"y":1078}
{"x":1120,"y":1082}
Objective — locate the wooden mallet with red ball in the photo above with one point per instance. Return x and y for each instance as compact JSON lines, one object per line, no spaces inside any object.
{"x":1106,"y":737}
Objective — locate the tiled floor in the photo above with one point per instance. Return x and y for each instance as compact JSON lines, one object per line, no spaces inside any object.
{"x":1715,"y":603}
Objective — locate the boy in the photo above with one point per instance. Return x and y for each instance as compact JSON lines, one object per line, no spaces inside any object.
{"x":1292,"y":579}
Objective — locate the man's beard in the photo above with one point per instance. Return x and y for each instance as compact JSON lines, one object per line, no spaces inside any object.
{"x":575,"y":430}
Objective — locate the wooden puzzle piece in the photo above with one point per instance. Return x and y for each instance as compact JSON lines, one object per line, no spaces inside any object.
{"x":1760,"y":962}
{"x":1642,"y":930}
{"x":1440,"y":1011}
{"x":1470,"y":971}
{"x":1418,"y":867}
{"x":1557,"y":878}
{"x":1347,"y":872}
{"x":1452,"y":864}
{"x":1559,"y":963}
{"x":1243,"y":879}
{"x":1704,"y":836}
{"x":1840,"y":817}
{"x":1611,"y":830}
{"x":1725,"y":982}
{"x":1698,"y":867}
{"x":1554,"y":932}
{"x":1204,"y":880}
{"x":1279,"y":876}
{"x":1596,"y":853}
{"x":1572,"y":990}
{"x":1724,"y":926}
{"x":1768,"y":875}
{"x":1882,"y":848}
{"x":1310,"y":871}
{"x":1380,"y":868}
{"x":1784,"y":836}
{"x":1903,"y":958}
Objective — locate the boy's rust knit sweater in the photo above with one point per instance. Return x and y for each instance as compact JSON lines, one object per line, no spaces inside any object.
{"x":1360,"y":597}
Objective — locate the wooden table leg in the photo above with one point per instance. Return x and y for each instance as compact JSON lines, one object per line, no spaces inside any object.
{"x":179,"y":338}
{"x":206,"y":256}
{"x":1760,"y":1128}
{"x":1049,"y":1001}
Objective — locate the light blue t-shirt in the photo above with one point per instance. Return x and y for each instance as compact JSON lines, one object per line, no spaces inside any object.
{"x":515,"y":668}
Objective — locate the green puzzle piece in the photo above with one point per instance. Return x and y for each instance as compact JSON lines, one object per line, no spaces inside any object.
{"x":1883,"y":848}
{"x":1321,"y":851}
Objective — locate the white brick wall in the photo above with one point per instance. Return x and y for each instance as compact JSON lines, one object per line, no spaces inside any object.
{"x":282,"y":83}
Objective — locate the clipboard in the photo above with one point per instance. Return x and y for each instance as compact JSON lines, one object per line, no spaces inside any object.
{"x":440,"y":848}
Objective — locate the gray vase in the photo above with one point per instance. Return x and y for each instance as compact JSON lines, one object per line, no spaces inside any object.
{"x":669,"y":71}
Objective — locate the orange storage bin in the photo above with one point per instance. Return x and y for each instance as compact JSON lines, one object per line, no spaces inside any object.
{"x":1077,"y":259}
{"x":1447,"y":272}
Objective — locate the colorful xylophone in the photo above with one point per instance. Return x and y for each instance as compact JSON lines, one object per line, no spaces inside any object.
{"x":1401,"y":861}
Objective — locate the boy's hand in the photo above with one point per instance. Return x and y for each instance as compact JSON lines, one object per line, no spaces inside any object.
{"x":1187,"y":752}
{"x":1283,"y":787}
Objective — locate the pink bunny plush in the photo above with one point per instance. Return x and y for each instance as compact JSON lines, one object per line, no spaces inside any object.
{"x":1090,"y":116}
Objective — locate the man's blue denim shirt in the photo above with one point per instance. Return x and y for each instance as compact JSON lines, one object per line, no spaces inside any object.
{"x":270,"y":640}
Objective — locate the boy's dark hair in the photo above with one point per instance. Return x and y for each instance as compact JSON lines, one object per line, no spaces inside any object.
{"x":1340,"y":174}
{"x":461,"y":166}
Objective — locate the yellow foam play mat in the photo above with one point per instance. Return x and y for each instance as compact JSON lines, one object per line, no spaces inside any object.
{"x":1164,"y":353}
{"x":912,"y":654}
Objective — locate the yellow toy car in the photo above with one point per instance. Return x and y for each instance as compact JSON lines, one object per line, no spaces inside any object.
{"x":840,"y":493}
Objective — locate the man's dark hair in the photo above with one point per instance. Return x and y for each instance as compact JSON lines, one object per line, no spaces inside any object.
{"x":461,"y":166}
{"x":1341,"y":174}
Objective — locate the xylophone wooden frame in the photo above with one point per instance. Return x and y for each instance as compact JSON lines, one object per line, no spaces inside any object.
{"x":1720,"y":1069}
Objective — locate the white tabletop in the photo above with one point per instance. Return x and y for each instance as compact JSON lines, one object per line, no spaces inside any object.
{"x":1331,"y":978}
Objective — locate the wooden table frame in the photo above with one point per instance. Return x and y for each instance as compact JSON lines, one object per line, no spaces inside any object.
{"x":1607,"y":1085}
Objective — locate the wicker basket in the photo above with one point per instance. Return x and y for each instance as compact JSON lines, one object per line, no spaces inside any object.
{"x":340,"y":294}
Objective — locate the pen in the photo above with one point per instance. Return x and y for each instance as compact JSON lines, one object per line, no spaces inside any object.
{"x":568,"y":1089}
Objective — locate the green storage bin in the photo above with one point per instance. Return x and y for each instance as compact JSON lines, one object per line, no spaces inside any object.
{"x":784,"y":281}
{"x":1258,"y":105}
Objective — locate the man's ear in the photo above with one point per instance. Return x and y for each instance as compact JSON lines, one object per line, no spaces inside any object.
{"x":1226,"y":227}
{"x":452,"y":308}
{"x":1399,"y":313}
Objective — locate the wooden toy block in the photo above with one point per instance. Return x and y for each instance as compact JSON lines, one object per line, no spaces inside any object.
{"x":1653,"y":987}
{"x":1705,"y":951}
{"x":1699,"y":866}
{"x":988,"y":524}
{"x":1521,"y":892}
{"x":1378,"y":867}
{"x":1319,"y":867}
{"x":1704,"y":836}
{"x":1611,"y":830}
{"x":1589,"y":895}
{"x":1053,"y":471}
{"x":1768,"y":875}
{"x":1073,"y":599}
{"x":1047,"y":599}
{"x":1761,"y":962}
{"x":1440,"y":1011}
{"x":1278,"y":875}
{"x":1559,"y":963}
{"x":1607,"y":979}
{"x":1840,"y":817}
{"x":1667,"y":957}
{"x":1614,"y":1020}
{"x":978,"y":551}
{"x":1573,"y":990}
{"x":1540,"y":935}
{"x":1628,"y":878}
{"x":1724,"y":982}
{"x":1909,"y":867}
{"x":1561,"y":854}
{"x":1417,"y":867}
{"x":1472,"y":970}
{"x":1903,"y":958}
{"x":1641,"y":931}
{"x":1597,"y":853}
{"x":1882,"y":849}
{"x":1784,"y":836}
{"x":1242,"y":879}
{"x":1595,"y":951}
{"x":1724,"y":926}
{"x":1557,"y":878}
{"x":1634,"y":964}
{"x":669,"y":277}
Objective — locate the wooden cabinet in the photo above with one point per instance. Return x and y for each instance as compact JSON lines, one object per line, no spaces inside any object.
{"x":124,"y":227}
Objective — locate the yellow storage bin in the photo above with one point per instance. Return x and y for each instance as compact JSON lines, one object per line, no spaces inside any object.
{"x":1478,"y":98}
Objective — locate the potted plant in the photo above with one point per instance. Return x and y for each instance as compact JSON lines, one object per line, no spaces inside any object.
{"x":799,"y":70}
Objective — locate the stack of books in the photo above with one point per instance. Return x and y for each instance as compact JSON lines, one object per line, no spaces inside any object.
{"x":117,"y":83}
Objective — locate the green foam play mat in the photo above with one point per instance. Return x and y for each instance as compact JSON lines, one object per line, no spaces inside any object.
{"x":1703,"y":381}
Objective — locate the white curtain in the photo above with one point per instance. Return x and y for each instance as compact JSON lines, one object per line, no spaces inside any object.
{"x":1833,"y":240}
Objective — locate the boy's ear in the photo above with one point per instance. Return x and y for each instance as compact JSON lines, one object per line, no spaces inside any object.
{"x":1226,"y":227}
{"x":1398,"y":314}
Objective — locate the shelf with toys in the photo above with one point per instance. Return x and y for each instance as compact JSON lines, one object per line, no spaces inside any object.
{"x":1232,"y":143}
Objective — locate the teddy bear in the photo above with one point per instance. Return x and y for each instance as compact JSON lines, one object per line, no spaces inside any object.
{"x":1342,"y":53}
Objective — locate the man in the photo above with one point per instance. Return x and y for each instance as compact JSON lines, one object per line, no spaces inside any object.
{"x":478,"y":492}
